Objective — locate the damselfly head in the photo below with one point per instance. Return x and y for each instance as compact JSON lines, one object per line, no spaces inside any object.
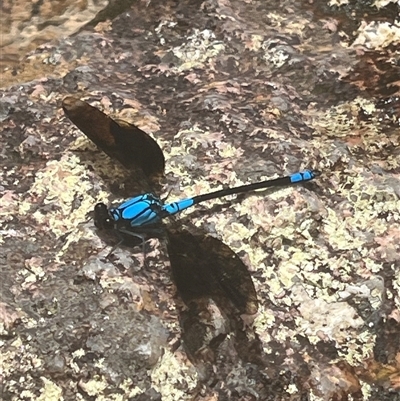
{"x":102,"y":218}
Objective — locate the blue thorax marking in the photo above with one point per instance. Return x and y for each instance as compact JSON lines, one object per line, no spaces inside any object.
{"x":138,"y":211}
{"x":146,"y":209}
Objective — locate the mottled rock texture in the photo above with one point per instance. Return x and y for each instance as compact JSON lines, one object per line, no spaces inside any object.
{"x":233,"y":92}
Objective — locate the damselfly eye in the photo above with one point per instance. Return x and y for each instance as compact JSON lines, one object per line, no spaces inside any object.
{"x":102,"y":219}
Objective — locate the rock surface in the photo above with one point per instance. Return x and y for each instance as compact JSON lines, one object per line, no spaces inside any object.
{"x":233,"y":92}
